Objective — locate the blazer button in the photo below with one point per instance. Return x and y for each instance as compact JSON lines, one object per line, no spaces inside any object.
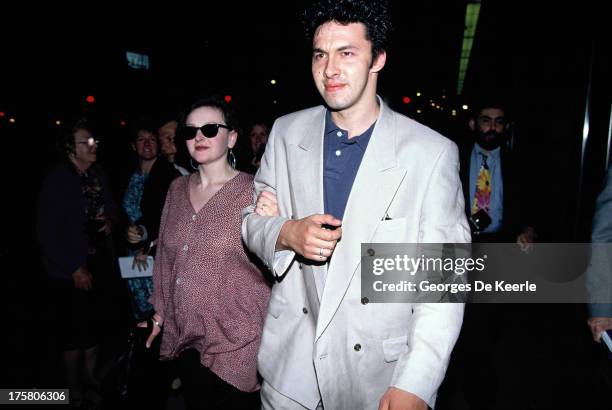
{"x":357,"y":347}
{"x":365,"y":301}
{"x":371,"y":252}
{"x":305,"y":311}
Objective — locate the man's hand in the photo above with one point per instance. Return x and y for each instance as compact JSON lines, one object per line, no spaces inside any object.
{"x":82,"y":279}
{"x":309,"y":238}
{"x":398,"y":399}
{"x":526,"y":239}
{"x":598,"y":325}
{"x":266,"y":204}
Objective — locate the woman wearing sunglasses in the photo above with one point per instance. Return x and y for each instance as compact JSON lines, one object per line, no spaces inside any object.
{"x":210,"y":299}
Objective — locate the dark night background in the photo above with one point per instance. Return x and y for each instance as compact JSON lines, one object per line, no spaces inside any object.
{"x":540,"y":56}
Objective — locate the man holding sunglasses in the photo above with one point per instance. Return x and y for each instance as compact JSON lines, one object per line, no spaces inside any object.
{"x":336,"y":176}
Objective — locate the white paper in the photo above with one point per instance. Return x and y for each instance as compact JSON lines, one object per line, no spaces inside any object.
{"x":125,"y":265}
{"x":607,"y":340}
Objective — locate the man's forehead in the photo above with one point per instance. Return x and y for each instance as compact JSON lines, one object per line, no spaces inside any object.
{"x":492,"y":113}
{"x":335,"y":31}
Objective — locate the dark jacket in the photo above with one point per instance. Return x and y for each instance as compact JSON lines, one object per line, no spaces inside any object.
{"x":61,"y":228}
{"x":153,"y":198}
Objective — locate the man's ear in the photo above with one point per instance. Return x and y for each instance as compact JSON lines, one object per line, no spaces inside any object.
{"x":379,"y":62}
{"x":472,"y":124}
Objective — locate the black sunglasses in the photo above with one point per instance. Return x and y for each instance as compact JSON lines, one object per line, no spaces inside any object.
{"x":208,"y":130}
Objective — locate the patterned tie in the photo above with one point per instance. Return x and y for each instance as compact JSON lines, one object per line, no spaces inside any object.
{"x":482,"y":198}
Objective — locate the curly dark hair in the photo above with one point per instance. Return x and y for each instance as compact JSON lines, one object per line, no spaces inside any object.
{"x":374,"y":14}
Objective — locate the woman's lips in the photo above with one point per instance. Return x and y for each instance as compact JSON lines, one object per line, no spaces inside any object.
{"x":201,"y":148}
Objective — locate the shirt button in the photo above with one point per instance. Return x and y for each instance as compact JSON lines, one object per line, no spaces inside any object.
{"x":338,"y":153}
{"x":365,"y":301}
{"x":179,"y":281}
{"x":357,"y":347}
{"x":185,"y":248}
{"x":339,"y":133}
{"x":194,"y":217}
{"x":371,"y":252}
{"x":305,"y":311}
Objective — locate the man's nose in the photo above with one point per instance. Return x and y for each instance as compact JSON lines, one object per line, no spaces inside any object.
{"x":331,"y":68}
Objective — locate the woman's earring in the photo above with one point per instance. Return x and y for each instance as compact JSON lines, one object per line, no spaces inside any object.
{"x":195,"y":167}
{"x":232,"y":159}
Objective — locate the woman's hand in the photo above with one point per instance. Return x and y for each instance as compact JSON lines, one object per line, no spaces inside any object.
{"x":82,"y":278}
{"x":157,"y":324}
{"x":266,"y":204}
{"x":134,"y":234}
{"x":140,"y":261}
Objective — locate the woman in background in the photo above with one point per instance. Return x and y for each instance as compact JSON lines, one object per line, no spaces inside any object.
{"x":75,"y":219}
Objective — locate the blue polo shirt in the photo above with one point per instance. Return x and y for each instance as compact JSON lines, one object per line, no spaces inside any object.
{"x":341,"y":159}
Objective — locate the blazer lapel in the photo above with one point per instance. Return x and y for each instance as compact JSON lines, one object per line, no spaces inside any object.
{"x":307,"y":191}
{"x":375,"y":186}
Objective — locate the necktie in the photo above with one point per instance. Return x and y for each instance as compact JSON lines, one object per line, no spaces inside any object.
{"x":482,"y":198}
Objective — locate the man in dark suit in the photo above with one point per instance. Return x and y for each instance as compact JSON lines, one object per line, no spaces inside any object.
{"x":489,"y":180}
{"x":494,"y":205}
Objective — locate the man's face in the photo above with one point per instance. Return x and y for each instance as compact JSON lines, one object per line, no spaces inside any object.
{"x":490,"y":128}
{"x":167,"y":133}
{"x":342,"y":65}
{"x":145,"y":145}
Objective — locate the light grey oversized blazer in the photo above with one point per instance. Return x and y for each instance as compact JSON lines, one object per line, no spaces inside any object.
{"x":320,"y":342}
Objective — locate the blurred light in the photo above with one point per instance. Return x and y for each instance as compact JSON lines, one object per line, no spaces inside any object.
{"x":122,"y":123}
{"x":228,"y":98}
{"x":454,"y":113}
{"x":418,"y":94}
{"x":406,"y":100}
{"x":90,"y":99}
{"x":444,"y":97}
{"x":275,"y":102}
{"x":433,"y":104}
{"x":2,"y":114}
{"x":12,"y":120}
{"x":465,"y":107}
{"x":419,"y":111}
{"x":58,"y":122}
{"x":273,"y":82}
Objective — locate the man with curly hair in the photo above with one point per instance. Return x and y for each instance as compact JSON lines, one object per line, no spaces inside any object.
{"x":333,"y":177}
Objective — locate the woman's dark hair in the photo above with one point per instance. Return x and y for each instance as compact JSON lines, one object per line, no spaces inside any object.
{"x":214,"y":101}
{"x":144,"y":123}
{"x":373,"y":14}
{"x":65,"y":143}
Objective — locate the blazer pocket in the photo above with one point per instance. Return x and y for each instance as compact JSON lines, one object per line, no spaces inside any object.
{"x":392,"y":225}
{"x":277,"y":305}
{"x":394,"y":347}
